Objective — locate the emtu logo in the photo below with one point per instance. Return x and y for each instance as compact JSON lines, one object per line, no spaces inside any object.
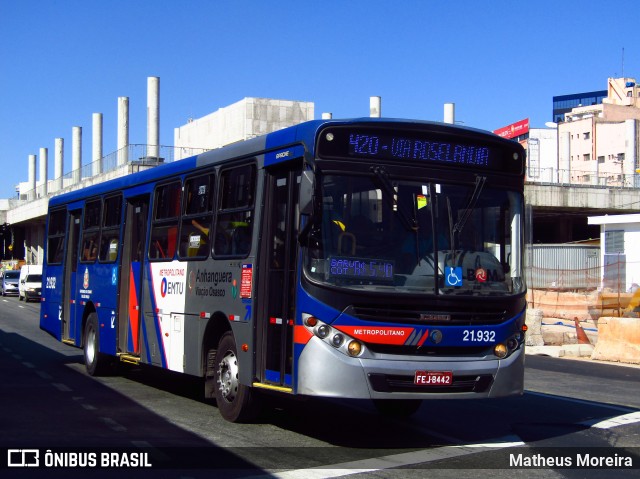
{"x":171,"y":287}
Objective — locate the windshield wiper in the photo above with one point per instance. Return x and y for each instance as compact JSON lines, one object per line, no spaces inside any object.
{"x":479,"y":185}
{"x":410,"y":224}
{"x":392,"y":197}
{"x":466,"y":212}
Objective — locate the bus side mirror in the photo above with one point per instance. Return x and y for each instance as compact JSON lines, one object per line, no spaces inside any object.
{"x":307,"y":184}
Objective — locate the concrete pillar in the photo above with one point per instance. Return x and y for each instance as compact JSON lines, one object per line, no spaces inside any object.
{"x":59,"y":163}
{"x":76,"y":154}
{"x":564,"y":157}
{"x":44,"y":171}
{"x":153,"y":117}
{"x":123,"y":130}
{"x":31,"y":194}
{"x":96,"y":151}
{"x":327,"y":116}
{"x":533,"y":336}
{"x":375,"y":107}
{"x":450,"y":113}
{"x":630,"y":149}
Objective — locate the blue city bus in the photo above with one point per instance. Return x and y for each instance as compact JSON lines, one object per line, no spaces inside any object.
{"x":369,"y":258}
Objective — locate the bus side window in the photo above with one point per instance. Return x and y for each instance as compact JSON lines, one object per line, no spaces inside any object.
{"x":241,"y":238}
{"x":90,"y":247}
{"x":164,"y":231}
{"x":110,"y":238}
{"x":91,"y":231}
{"x":56,"y":236}
{"x":234,"y":219}
{"x":197,"y":217}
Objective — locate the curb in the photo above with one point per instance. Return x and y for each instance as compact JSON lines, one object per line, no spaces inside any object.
{"x":567,"y":350}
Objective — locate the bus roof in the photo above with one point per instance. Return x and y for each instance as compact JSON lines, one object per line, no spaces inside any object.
{"x":303,"y":135}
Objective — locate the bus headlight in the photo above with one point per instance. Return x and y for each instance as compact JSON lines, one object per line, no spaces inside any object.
{"x":323,"y":331}
{"x":500,"y":350}
{"x":355,"y":348}
{"x":334,"y":337}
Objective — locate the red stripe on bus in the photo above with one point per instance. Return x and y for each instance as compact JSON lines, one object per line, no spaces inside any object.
{"x":301,"y":335}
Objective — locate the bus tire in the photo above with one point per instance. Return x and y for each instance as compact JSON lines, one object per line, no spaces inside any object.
{"x":96,"y":362}
{"x":397,"y":407}
{"x":236,"y":402}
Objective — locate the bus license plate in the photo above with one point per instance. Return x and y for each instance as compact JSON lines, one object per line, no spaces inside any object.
{"x":433,"y":378}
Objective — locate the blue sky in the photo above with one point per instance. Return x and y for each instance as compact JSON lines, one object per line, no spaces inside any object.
{"x":498,"y":61}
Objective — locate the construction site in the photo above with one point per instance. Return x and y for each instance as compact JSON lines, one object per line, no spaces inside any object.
{"x":584,"y":312}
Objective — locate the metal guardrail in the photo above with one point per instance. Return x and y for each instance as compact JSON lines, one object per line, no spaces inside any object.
{"x":582,"y":178}
{"x":135,"y":154}
{"x":139,"y":154}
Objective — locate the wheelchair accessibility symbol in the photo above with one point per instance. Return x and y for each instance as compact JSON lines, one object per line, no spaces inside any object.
{"x":453,"y":276}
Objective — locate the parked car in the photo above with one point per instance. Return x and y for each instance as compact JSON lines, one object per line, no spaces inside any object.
{"x":31,"y":287}
{"x":10,"y":283}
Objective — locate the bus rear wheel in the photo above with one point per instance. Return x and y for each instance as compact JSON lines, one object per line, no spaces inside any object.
{"x":96,"y":362}
{"x":236,"y":402}
{"x":397,"y":407}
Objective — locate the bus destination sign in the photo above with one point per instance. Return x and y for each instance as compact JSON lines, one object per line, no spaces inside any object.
{"x":471,"y":151}
{"x":397,"y":147}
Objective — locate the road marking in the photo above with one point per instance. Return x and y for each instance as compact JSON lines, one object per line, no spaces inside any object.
{"x":616,"y":421}
{"x":28,"y":364}
{"x":113,"y":424}
{"x":141,"y":443}
{"x":377,"y":464}
{"x":44,"y":375}
{"x":80,"y":400}
{"x":62,"y":387}
{"x":16,"y":356}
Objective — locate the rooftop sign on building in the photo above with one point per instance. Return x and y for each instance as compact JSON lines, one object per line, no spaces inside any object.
{"x":514,"y":130}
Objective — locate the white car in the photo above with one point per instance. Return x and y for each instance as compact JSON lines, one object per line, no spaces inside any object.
{"x":30,"y":287}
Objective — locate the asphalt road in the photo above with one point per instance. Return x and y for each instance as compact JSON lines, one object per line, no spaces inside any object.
{"x":573,"y":418}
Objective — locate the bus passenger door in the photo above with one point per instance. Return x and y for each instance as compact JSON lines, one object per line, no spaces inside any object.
{"x":277,"y":309}
{"x":130,"y":314}
{"x":68,"y":312}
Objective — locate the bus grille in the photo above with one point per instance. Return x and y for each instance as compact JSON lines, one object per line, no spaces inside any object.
{"x":408,"y":314}
{"x":425,"y":351}
{"x":386,"y":383}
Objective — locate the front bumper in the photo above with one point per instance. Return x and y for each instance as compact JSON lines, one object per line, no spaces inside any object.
{"x":323,"y":371}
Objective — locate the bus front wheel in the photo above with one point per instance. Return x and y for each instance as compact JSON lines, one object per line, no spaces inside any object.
{"x":96,"y":362}
{"x":236,"y":402}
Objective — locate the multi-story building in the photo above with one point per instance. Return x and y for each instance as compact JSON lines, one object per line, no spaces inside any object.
{"x":563,"y":104}
{"x":599,"y":144}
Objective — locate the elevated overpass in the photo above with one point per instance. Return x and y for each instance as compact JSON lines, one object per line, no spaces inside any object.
{"x":26,"y":215}
{"x":559,"y":211}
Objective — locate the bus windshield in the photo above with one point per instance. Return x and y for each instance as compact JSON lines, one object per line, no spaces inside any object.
{"x":379,"y":233}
